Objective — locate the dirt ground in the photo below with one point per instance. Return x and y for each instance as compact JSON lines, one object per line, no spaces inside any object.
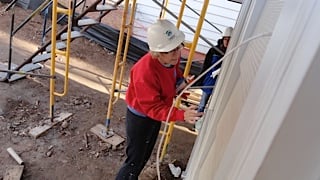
{"x":68,"y":150}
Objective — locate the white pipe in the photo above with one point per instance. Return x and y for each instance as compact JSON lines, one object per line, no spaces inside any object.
{"x":15,"y":156}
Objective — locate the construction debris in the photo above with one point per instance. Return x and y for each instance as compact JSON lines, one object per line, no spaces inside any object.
{"x":37,"y":131}
{"x":114,"y":139}
{"x":175,"y":171}
{"x":15,"y":156}
{"x":13,"y":172}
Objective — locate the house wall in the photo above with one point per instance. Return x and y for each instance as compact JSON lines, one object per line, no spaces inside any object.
{"x":262,"y":123}
{"x":220,"y":13}
{"x":235,"y":80}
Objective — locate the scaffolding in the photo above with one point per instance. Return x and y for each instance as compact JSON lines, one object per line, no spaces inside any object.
{"x":126,"y":28}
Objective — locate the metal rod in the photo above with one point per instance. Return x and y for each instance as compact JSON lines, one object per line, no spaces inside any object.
{"x":10,"y":5}
{"x":119,"y":90}
{"x":43,"y":5}
{"x":201,"y":87}
{"x":64,"y":15}
{"x":46,"y":11}
{"x":190,"y":28}
{"x":184,"y":23}
{"x":27,"y":73}
{"x":204,"y":19}
{"x":117,"y":61}
{"x":10,"y":44}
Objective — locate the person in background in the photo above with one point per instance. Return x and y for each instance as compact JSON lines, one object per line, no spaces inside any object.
{"x":154,"y":80}
{"x":213,"y":55}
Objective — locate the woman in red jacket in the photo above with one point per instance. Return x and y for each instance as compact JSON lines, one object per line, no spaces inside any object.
{"x":154,"y":80}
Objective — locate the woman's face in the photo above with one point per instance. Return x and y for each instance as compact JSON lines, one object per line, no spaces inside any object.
{"x":171,"y":57}
{"x":226,"y":41}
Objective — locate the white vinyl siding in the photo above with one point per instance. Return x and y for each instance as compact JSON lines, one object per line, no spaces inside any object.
{"x":233,"y":86}
{"x":265,"y":123}
{"x":220,"y":13}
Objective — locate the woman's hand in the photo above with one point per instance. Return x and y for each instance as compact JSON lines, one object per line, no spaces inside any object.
{"x":191,"y":115}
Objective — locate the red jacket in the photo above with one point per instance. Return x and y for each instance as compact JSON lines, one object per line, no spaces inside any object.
{"x":152,"y":89}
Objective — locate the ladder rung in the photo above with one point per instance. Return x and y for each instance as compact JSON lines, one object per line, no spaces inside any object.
{"x":74,"y":34}
{"x":187,"y":44}
{"x":63,"y":10}
{"x":105,"y":7}
{"x":121,"y":63}
{"x":162,"y":132}
{"x":63,"y":53}
{"x":41,"y":57}
{"x":87,"y":22}
{"x":59,"y":45}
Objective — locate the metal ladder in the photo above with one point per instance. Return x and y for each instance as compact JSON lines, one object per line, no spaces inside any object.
{"x":67,"y":37}
{"x":120,"y":61}
{"x":55,"y":50}
{"x":78,"y":21}
{"x":59,"y":44}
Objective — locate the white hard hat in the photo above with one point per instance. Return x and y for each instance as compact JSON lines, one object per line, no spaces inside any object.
{"x":163,"y":36}
{"x":227,"y":32}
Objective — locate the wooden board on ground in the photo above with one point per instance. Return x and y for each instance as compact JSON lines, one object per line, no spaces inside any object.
{"x":37,"y":131}
{"x":13,"y":172}
{"x":114,"y":140}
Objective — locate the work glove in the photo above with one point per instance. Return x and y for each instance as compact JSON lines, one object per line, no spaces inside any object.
{"x":185,"y":95}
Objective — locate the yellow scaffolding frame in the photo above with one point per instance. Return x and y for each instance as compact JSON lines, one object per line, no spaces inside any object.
{"x":54,"y":51}
{"x":192,"y":46}
{"x":118,"y":63}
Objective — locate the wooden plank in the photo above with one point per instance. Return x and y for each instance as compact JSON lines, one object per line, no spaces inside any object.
{"x":114,"y":140}
{"x":13,"y":172}
{"x":37,"y":131}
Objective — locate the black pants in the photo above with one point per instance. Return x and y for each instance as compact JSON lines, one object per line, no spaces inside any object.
{"x":142,"y":133}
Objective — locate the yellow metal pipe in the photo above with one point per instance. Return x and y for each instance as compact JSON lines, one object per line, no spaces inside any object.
{"x":163,"y":12}
{"x":168,"y":134}
{"x":60,"y":52}
{"x":62,"y":10}
{"x":196,"y":37}
{"x":126,"y":49}
{"x":188,"y":65}
{"x":117,"y":60}
{"x":121,"y":63}
{"x":53,"y":55}
{"x":54,"y":52}
{"x":67,"y":52}
{"x":181,"y":12}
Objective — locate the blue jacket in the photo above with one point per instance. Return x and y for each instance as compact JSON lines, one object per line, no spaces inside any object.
{"x":208,"y":80}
